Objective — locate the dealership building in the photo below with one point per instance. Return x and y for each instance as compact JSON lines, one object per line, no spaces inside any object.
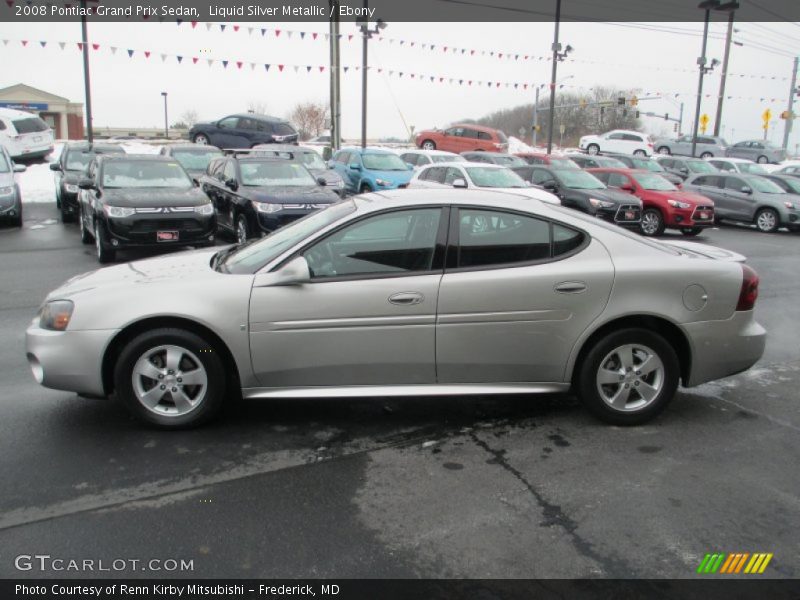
{"x":65,"y":118}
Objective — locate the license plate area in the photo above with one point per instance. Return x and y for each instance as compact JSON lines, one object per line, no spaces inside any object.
{"x":167,"y":236}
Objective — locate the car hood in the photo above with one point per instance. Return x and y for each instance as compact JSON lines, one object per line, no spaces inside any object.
{"x":192,"y":265}
{"x":329,"y":175}
{"x":692,"y":197}
{"x":145,"y":197}
{"x":290,"y":195}
{"x":612,"y":196}
{"x":6,"y":179}
{"x":393,"y":176}
{"x":201,"y":124}
{"x":530,"y":192}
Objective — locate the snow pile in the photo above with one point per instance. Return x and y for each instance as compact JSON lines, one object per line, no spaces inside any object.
{"x":37,"y":182}
{"x":516,"y":146}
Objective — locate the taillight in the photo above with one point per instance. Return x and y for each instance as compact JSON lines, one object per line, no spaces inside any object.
{"x":749,"y":291}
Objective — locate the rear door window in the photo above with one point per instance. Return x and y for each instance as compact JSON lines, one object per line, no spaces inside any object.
{"x":435,"y":174}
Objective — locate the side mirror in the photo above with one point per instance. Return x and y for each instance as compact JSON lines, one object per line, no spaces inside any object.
{"x":196,"y":182}
{"x":626,"y":187}
{"x":355,"y":166}
{"x":55,"y":166}
{"x":459,"y":183}
{"x":232,"y":184}
{"x":295,"y":272}
{"x":86,"y":184}
{"x":550,"y":185}
{"x":322,"y":181}
{"x":747,"y":190}
{"x":19,"y":168}
{"x":409,"y":166}
{"x":684,"y":170}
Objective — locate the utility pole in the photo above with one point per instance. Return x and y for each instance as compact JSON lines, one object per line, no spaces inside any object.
{"x":701,"y":63}
{"x":722,"y":81}
{"x":787,"y":126}
{"x":680,"y":120}
{"x":336,"y":111}
{"x":86,"y":84}
{"x":556,"y":49}
{"x":535,"y":115}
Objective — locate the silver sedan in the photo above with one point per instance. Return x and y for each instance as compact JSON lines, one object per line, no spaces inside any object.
{"x":411,"y":292}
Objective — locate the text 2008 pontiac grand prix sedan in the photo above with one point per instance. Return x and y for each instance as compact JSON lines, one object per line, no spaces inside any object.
{"x":400,"y":293}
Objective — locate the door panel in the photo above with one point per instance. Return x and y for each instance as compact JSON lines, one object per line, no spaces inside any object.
{"x":511,"y":325}
{"x":345,"y":332}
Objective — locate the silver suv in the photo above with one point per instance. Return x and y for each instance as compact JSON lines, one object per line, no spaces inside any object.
{"x":707,"y":146}
{"x":760,"y":151}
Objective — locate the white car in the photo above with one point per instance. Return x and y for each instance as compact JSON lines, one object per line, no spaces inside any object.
{"x":24,"y":134}
{"x":622,"y":141}
{"x":422,"y":158}
{"x":477,"y":176}
{"x":782,"y":165}
{"x":738,"y":165}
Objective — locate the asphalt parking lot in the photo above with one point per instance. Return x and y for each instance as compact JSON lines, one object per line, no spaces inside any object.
{"x":490,"y":487}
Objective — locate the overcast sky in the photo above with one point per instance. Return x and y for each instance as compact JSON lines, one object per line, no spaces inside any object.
{"x":657,"y":57}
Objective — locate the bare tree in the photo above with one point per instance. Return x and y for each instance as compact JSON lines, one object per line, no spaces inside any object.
{"x":189,"y":117}
{"x":310,"y":118}
{"x":257,"y":107}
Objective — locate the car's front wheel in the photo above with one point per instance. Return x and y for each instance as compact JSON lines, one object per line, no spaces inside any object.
{"x":628,"y":377}
{"x":201,"y":139}
{"x":762,"y":160}
{"x":593,"y":149}
{"x":66,"y":215}
{"x":767,"y":220}
{"x":242,"y":230}
{"x":171,"y":378}
{"x":86,"y":235}
{"x":105,"y":253}
{"x":664,"y":150}
{"x":17,"y":221}
{"x":428,"y":145}
{"x":705,"y":155}
{"x":652,"y":222}
{"x":639,"y":153}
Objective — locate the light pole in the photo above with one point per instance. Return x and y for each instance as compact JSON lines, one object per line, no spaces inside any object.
{"x":166,"y":125}
{"x":366,"y":34}
{"x":707,"y":6}
{"x":731,"y":7}
{"x":558,"y":56}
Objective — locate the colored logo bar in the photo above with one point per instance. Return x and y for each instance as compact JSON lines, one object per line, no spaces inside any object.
{"x":735,"y":563}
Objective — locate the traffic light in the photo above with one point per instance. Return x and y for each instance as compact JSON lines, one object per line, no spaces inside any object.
{"x":675,"y":127}
{"x":634,"y":101}
{"x":621,"y":101}
{"x":666,"y":116}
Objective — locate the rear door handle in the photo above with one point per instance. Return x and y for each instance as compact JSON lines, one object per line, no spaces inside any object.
{"x":570,"y":287}
{"x":406,"y":298}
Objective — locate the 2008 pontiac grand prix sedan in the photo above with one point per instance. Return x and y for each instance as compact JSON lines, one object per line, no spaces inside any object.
{"x":411,"y":292}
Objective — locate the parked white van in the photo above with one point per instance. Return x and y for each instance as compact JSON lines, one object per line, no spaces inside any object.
{"x":24,"y":134}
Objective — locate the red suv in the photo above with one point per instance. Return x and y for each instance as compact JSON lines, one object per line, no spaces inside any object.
{"x":463,"y":138}
{"x":663,"y":205}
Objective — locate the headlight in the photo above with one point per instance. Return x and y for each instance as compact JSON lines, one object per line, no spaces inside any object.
{"x":789,"y":205}
{"x":339,"y":183}
{"x":266,"y":207}
{"x":678,"y":204}
{"x":72,"y":189}
{"x":6,"y":191}
{"x":55,"y":315}
{"x":382,"y":182}
{"x":600,"y":203}
{"x":204,"y":209}
{"x":118,"y":212}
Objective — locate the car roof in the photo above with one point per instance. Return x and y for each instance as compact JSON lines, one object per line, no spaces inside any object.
{"x":12,"y":113}
{"x":473,"y":126}
{"x":134,"y":157}
{"x":427,"y":152}
{"x":192,"y":147}
{"x":267,"y":118}
{"x":733,"y":160}
{"x":625,"y":171}
{"x":367,"y":150}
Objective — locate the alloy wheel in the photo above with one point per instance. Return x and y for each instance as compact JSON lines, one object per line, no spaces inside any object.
{"x":630,"y":377}
{"x":169,"y":380}
{"x":241,"y":230}
{"x":650,"y":223}
{"x":766,"y":221}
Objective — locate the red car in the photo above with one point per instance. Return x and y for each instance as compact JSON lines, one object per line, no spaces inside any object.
{"x":463,"y":138}
{"x":663,"y":204}
{"x":553,"y":160}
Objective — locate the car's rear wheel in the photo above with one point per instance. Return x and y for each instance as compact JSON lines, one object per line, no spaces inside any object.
{"x":243,"y":234}
{"x":767,"y":220}
{"x":105,"y":253}
{"x":691,"y":231}
{"x":664,"y":150}
{"x":171,"y":378}
{"x":365,"y":189}
{"x":639,"y":153}
{"x":762,"y":160}
{"x":628,"y":377}
{"x":592,"y":149}
{"x":652,"y":222}
{"x":428,"y":145}
{"x":201,"y":139}
{"x":706,"y":155}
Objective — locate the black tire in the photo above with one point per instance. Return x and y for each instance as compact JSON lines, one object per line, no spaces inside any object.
{"x":601,"y":358}
{"x":664,"y":150}
{"x":762,"y":160}
{"x":639,"y":153}
{"x":706,"y":155}
{"x":86,"y":235}
{"x":207,"y":358}
{"x":428,"y":145}
{"x":364,"y":189}
{"x":66,"y":217}
{"x":105,"y":253}
{"x":242,"y":231}
{"x":767,"y":220}
{"x":593,"y":149}
{"x":201,"y":138}
{"x":17,"y":221}
{"x":691,"y":231}
{"x":652,"y":223}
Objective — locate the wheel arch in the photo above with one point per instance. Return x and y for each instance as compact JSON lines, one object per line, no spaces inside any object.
{"x":667,"y":329}
{"x":130,"y":331}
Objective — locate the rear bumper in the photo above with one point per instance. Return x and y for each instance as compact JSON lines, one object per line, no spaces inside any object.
{"x":68,"y":360}
{"x":33,"y":153}
{"x":723,"y":348}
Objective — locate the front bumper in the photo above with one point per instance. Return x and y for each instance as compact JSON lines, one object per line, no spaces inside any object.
{"x":68,"y":360}
{"x":625,"y":215}
{"x":142,"y":229}
{"x":9,"y":206}
{"x":698,"y":216}
{"x":69,"y":200}
{"x":723,"y":348}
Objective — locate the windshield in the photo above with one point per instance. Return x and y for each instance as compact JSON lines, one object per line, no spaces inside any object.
{"x":275,"y":173}
{"x":4,"y":167}
{"x":611,"y":163}
{"x":766,"y":186}
{"x":442,"y":158}
{"x":579,"y":180}
{"x":195,"y":160}
{"x":30,"y":125}
{"x":644,"y":163}
{"x":145,"y":174}
{"x":701,"y":166}
{"x":652,"y":181}
{"x":793,"y":184}
{"x":312,"y":160}
{"x":383,"y":162}
{"x":752,"y":168}
{"x":563,"y":163}
{"x":495,"y":178}
{"x":78,"y":160}
{"x":509,"y":161}
{"x":250,"y":258}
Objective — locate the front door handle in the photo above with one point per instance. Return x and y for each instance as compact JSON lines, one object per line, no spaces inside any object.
{"x":570,"y":287}
{"x":406,"y":298}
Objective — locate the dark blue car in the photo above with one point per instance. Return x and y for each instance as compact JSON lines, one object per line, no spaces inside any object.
{"x":243,"y":131}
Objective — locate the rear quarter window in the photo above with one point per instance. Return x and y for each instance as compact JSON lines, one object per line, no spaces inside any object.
{"x":30,"y":125}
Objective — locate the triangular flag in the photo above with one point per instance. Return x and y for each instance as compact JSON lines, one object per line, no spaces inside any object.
{"x":296,"y":68}
{"x":194,"y":24}
{"x":349,"y":37}
{"x":24,"y":42}
{"x":80,"y":46}
{"x":252,"y":66}
{"x":308,"y":69}
{"x":222,"y":27}
{"x":130,"y":53}
{"x":314,"y":35}
{"x":280,"y":68}
{"x":345,"y":69}
{"x":249,"y":31}
{"x":147,"y":53}
{"x":266,"y":67}
{"x":208,"y":26}
{"x":302,"y":35}
{"x":194,"y":60}
{"x":277,"y":32}
{"x":60,"y":44}
{"x":96,"y":46}
{"x":43,"y":44}
{"x":225,"y":64}
{"x":236,"y":28}
{"x":321,"y":69}
{"x":263,"y":31}
{"x":289,"y":34}
{"x":113,"y":49}
{"x":210,"y":61}
{"x":180,"y":59}
{"x":163,"y":58}
{"x":239,"y":64}
{"x":179,"y":22}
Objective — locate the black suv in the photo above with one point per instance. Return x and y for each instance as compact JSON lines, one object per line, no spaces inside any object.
{"x":142,"y":200}
{"x":69,"y":168}
{"x":243,"y":131}
{"x":255,"y":194}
